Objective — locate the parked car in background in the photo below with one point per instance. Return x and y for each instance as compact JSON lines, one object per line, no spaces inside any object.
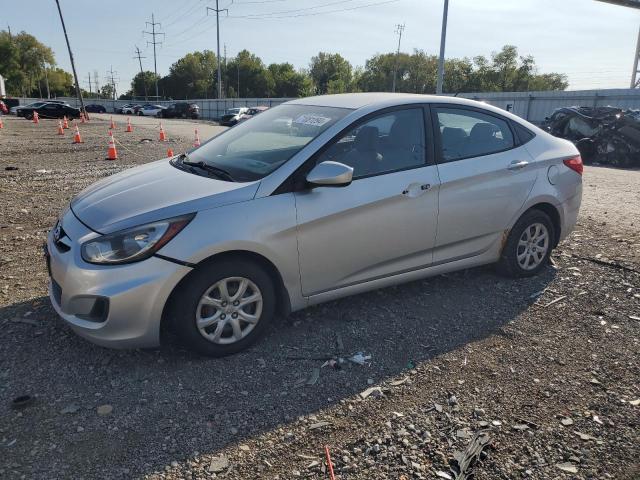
{"x":20,"y":110}
{"x":251,"y":112}
{"x":3,"y":108}
{"x":181,"y":110}
{"x":95,"y":108}
{"x":49,"y":110}
{"x":149,"y":110}
{"x":364,"y":191}
{"x":128,"y":109}
{"x":232,"y":116}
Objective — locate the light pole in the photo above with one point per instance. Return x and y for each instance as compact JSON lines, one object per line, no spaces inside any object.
{"x":635,"y":82}
{"x":443,"y":38}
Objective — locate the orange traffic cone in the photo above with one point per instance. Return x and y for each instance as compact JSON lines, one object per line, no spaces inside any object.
{"x":113,"y":125}
{"x":129,"y":127}
{"x":36,"y":117}
{"x":112,"y":153}
{"x":169,"y":152}
{"x":60,"y":129}
{"x":1,"y":124}
{"x":77,"y":138}
{"x":163,"y":137}
{"x":65,"y":123}
{"x":196,"y":143}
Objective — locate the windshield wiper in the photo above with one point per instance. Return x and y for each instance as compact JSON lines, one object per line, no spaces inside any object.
{"x":217,"y":171}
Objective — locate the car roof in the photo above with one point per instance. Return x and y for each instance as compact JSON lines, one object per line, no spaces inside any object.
{"x":385,"y":99}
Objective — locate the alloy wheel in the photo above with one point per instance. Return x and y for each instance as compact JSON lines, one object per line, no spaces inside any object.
{"x":532,"y":246}
{"x":229,"y":310}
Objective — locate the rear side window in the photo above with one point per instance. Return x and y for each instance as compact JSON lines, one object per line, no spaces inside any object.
{"x":524,"y":134}
{"x":468,"y":133}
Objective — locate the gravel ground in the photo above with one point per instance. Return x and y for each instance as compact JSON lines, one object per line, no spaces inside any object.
{"x":544,"y":370}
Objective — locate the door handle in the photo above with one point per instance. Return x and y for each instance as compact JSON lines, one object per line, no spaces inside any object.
{"x":517,"y":164}
{"x":412,"y":189}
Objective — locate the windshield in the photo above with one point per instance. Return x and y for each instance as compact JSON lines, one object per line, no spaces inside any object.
{"x":254,"y":149}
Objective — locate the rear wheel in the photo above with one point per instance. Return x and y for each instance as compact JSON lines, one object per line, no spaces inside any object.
{"x":528,"y":245}
{"x":223,"y":307}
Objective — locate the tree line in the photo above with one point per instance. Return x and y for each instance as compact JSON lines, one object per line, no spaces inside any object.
{"x":29,"y":69}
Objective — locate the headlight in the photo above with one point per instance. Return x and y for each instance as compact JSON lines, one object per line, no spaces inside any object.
{"x":133,"y":244}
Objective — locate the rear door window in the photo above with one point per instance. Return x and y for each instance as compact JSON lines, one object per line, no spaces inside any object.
{"x":469,"y":133}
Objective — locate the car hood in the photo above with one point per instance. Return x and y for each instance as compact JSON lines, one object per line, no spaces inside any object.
{"x":152,"y":192}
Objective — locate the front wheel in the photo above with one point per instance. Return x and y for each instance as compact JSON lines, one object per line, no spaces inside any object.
{"x":528,"y":246}
{"x":223,"y":307}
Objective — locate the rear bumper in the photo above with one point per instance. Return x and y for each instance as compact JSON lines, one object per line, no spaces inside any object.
{"x":135,"y":294}
{"x":570,"y":210}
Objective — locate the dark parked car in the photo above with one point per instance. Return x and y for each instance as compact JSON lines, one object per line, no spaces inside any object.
{"x":48,"y":110}
{"x":181,"y":110}
{"x":95,"y":108}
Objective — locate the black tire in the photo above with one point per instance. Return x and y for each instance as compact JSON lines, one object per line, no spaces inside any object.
{"x":508,"y":264}
{"x":184,"y":305}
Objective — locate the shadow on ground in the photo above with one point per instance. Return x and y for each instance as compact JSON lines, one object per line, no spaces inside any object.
{"x":168,"y":403}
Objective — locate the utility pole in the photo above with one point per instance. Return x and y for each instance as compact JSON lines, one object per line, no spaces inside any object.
{"x":226,"y":74}
{"x":96,"y":82}
{"x":443,"y":38}
{"x":9,"y":29}
{"x":111,"y":75}
{"x":89,"y":82}
{"x":153,"y":34}
{"x":73,"y":65}
{"x":399,"y":30}
{"x":46,"y":79}
{"x":218,"y":10}
{"x":144,"y":83}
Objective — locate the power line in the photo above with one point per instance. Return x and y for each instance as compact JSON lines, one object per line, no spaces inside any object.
{"x":315,"y":7}
{"x":399,"y":30}
{"x":153,"y":34}
{"x":249,"y":17}
{"x":111,"y":75}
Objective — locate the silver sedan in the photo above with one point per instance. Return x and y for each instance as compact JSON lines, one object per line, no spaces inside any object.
{"x":313,"y":200}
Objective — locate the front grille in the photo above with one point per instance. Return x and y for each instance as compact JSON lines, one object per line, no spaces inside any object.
{"x":56,"y":290}
{"x":61,"y":242}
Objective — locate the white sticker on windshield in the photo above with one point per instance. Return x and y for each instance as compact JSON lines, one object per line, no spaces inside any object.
{"x":312,"y":119}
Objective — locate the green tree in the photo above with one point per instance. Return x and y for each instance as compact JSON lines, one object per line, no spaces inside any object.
{"x":22,"y":60}
{"x":330,"y":70}
{"x":192,"y":76}
{"x":288,"y":82}
{"x":60,"y":82}
{"x":143,"y":84}
{"x":107,"y":91}
{"x":254,"y":79}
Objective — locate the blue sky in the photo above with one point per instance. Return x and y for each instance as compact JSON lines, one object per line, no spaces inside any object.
{"x":592,"y":42}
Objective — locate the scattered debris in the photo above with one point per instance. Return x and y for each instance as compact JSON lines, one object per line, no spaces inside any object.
{"x":219,"y":464}
{"x":397,"y":383}
{"x":315,"y":426}
{"x":315,"y":375}
{"x":375,"y":391}
{"x":104,"y":409}
{"x":567,"y":467}
{"x":442,"y":474}
{"x":566,"y":421}
{"x":73,"y":408}
{"x":359,"y":358}
{"x":11,"y":167}
{"x":329,"y":463}
{"x":463,"y":462}
{"x":555,"y":301}
{"x":28,"y":321}
{"x":22,"y":401}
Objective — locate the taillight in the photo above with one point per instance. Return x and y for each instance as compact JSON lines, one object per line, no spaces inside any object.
{"x":575,"y":164}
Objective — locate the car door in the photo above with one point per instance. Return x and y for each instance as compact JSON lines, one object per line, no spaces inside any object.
{"x":485,"y":179}
{"x":384,"y":222}
{"x":50,"y":110}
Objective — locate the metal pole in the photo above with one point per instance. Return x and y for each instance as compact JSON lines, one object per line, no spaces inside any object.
{"x":218,"y":48}
{"x":73,"y":65}
{"x":46,"y":79}
{"x":155,"y":65}
{"x":634,"y":73}
{"x":443,"y":38}
{"x":399,"y":29}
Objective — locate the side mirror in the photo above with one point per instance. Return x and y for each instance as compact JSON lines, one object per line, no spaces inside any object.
{"x":330,"y":174}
